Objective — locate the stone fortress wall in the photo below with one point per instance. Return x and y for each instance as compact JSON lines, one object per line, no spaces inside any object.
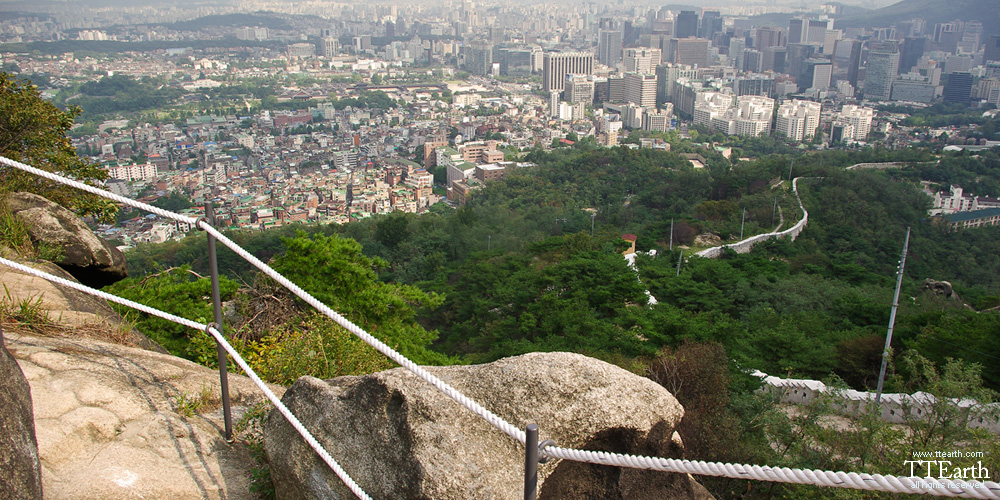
{"x":744,"y":246}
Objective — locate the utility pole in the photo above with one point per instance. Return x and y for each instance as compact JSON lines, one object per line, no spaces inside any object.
{"x":671,"y":235}
{"x":679,"y":260}
{"x":892,"y":318}
{"x":773,"y":209}
{"x":790,"y":163}
{"x":743,"y":223}
{"x":592,"y":216}
{"x":489,"y":242}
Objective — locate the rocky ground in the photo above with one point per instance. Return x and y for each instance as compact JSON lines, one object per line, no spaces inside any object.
{"x":114,"y":422}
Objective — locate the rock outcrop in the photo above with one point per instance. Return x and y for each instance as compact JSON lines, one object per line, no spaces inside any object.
{"x":20,"y":471}
{"x":940,"y":288}
{"x":399,"y":437}
{"x":90,"y":259}
{"x":71,"y":309}
{"x":115,"y":422}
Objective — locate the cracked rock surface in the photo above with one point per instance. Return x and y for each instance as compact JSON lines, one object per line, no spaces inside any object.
{"x":115,"y":422}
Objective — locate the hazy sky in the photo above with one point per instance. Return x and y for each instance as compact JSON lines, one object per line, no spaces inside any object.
{"x":874,"y":4}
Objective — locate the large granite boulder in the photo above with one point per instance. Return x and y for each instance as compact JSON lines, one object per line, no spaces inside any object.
{"x":86,"y":256}
{"x":400,"y":438}
{"x":20,"y":471}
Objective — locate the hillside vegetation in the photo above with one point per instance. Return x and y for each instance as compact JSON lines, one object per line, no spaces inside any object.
{"x":533,"y":263}
{"x":519,"y":269}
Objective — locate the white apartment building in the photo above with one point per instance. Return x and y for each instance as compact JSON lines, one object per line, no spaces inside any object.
{"x":798,"y":119}
{"x":709,"y":105}
{"x":859,"y":119}
{"x":144,"y":171}
{"x":750,"y":116}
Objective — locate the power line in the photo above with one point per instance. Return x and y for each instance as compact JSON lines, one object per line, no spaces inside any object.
{"x":981,"y":353}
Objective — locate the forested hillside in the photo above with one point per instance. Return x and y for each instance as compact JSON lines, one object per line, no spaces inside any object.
{"x":519,"y":269}
{"x":534,"y":263}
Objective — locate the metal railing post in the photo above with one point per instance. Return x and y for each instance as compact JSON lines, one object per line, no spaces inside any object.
{"x":531,"y":462}
{"x":213,"y":267}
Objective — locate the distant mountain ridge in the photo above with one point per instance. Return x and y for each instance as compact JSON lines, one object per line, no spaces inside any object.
{"x":933,"y":11}
{"x":267,"y":19}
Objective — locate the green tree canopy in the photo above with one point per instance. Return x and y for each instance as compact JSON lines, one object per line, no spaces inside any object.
{"x":33,"y":131}
{"x":334,"y":270}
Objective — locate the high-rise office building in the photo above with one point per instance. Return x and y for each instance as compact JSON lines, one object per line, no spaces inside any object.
{"x":361,"y":43}
{"x":773,"y":59}
{"x":693,"y":51}
{"x":958,"y":88}
{"x":815,"y":74}
{"x":579,"y":88}
{"x":913,"y":88}
{"x":752,"y":59}
{"x":602,"y":91}
{"x":556,"y":65}
{"x":796,"y":55}
{"x":711,"y":23}
{"x":881,"y":70}
{"x":913,"y":49}
{"x":686,"y":24}
{"x":911,"y":28}
{"x":609,"y":47}
{"x":331,"y":46}
{"x":478,"y":57}
{"x":663,"y":27}
{"x":514,"y":60}
{"x":640,"y":89}
{"x":641,"y":59}
{"x":754,"y":84}
{"x":767,"y":37}
{"x":847,"y":61}
{"x":947,"y":35}
{"x":631,"y":33}
{"x":667,"y":76}
{"x":735,"y":50}
{"x":991,"y":49}
{"x":496,"y":34}
{"x":796,"y":30}
{"x":832,"y":36}
{"x":616,"y":90}
{"x":816,"y":30}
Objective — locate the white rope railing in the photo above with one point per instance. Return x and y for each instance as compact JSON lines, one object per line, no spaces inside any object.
{"x":853,"y":480}
{"x":391,"y":353}
{"x":98,"y":191}
{"x":313,"y":443}
{"x":876,"y":482}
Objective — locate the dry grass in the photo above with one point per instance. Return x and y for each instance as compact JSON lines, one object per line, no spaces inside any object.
{"x":29,"y":316}
{"x":106,"y":332}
